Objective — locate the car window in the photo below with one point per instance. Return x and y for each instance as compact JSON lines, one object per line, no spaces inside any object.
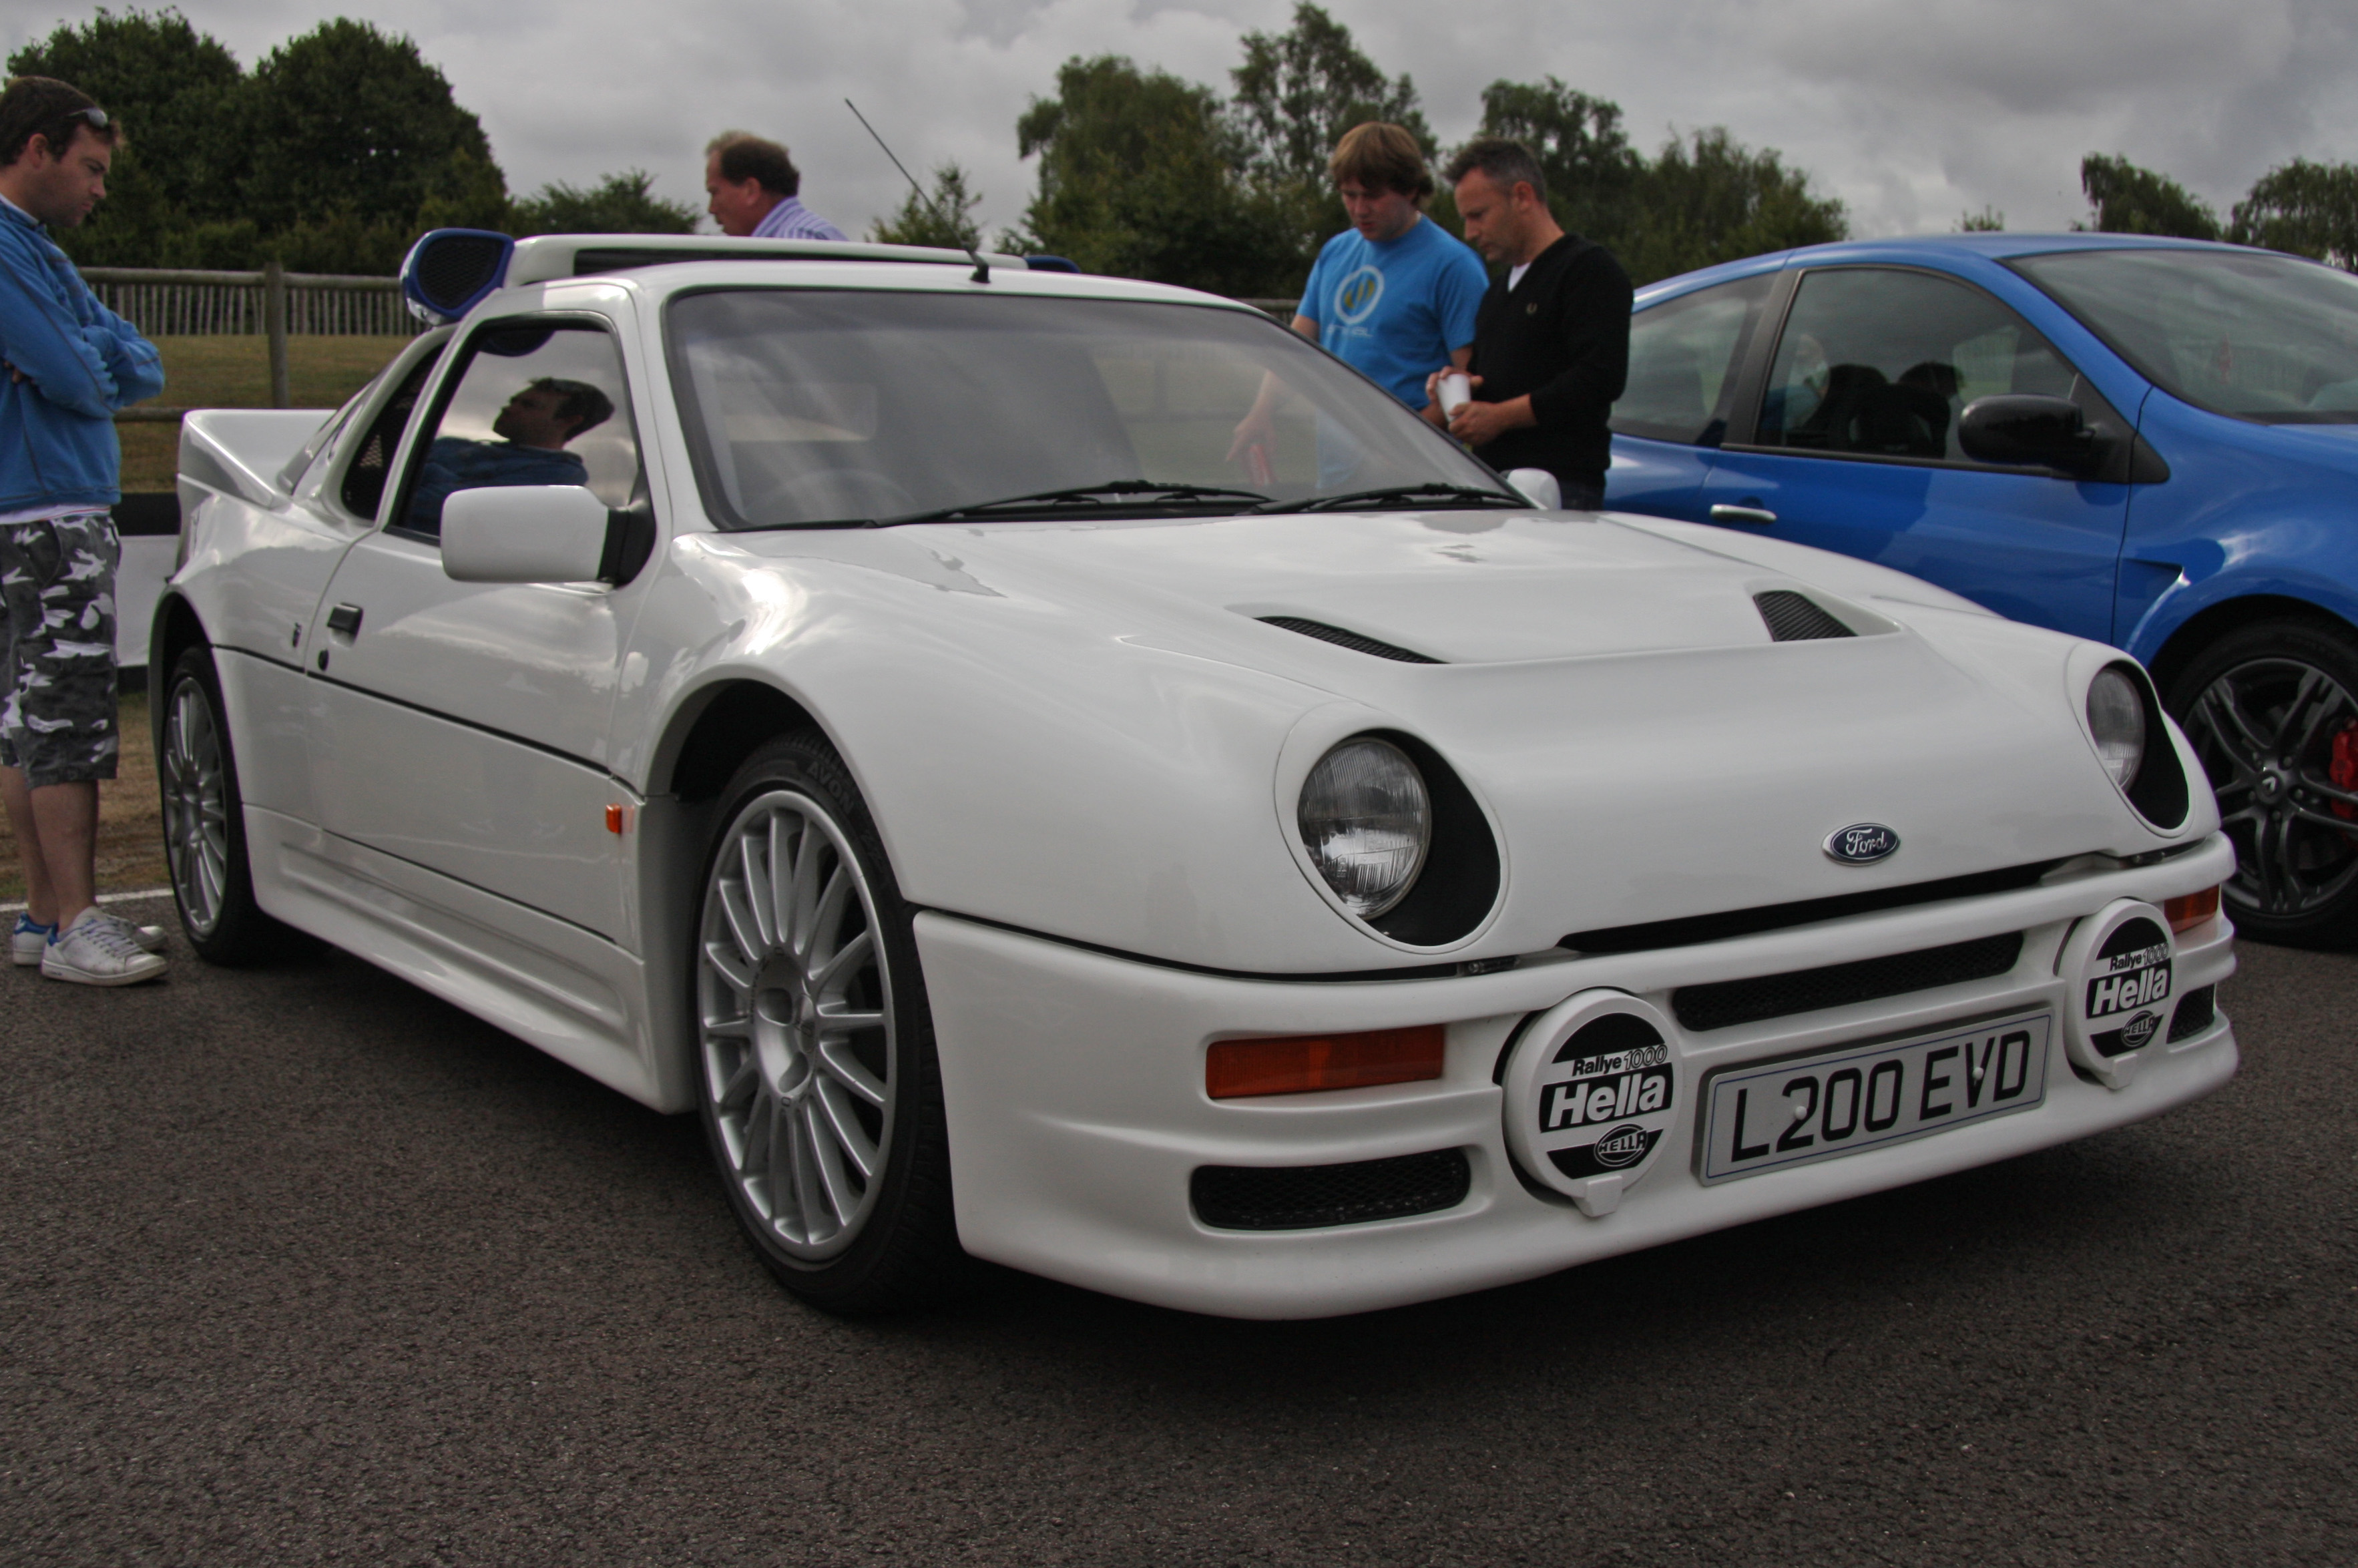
{"x":1881,"y":362}
{"x":1683,"y":358}
{"x":2266,"y":338}
{"x":532,"y":402}
{"x":812,"y":407}
{"x":364,"y":486}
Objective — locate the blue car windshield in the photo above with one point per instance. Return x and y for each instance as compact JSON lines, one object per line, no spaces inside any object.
{"x":2255,"y":336}
{"x":809,"y":408}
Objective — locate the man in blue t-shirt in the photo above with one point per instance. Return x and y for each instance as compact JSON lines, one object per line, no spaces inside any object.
{"x":533,"y":430}
{"x":1393,"y":295}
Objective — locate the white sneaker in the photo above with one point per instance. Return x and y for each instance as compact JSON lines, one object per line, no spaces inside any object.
{"x":27,"y":941}
{"x":148,"y":938}
{"x":98,"y":949}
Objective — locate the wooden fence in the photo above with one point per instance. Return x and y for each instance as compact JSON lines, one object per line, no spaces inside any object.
{"x":175,"y":302}
{"x":165,"y":302}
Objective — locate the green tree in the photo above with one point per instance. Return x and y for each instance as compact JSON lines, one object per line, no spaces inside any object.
{"x":1299,"y":91}
{"x":1296,"y":93}
{"x":174,"y":92}
{"x":1706,"y":198}
{"x":1141,"y":177}
{"x":2128,"y":199}
{"x":2309,"y":209}
{"x":1988,"y":221}
{"x":621,"y":203}
{"x":346,"y":120}
{"x":1593,"y":173}
{"x":945,"y":218}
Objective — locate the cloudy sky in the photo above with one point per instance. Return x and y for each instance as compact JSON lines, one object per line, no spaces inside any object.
{"x":1911,"y":113}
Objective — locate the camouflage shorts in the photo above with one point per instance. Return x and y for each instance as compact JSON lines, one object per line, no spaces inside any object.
{"x":58,"y":575}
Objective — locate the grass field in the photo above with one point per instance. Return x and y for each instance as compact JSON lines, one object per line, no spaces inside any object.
{"x":234,"y":373}
{"x":130,"y":833}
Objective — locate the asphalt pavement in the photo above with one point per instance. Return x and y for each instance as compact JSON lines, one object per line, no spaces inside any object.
{"x":299,"y":1265}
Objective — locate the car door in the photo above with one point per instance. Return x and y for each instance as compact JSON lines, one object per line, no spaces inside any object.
{"x":463,"y":726}
{"x":1687,"y":355}
{"x":1854,"y":448}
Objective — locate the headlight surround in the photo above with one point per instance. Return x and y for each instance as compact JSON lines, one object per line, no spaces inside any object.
{"x":2116,"y":722}
{"x":1366,"y":816}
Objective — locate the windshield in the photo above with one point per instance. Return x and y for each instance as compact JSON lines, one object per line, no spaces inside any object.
{"x":2260,"y":337}
{"x":805,"y":407}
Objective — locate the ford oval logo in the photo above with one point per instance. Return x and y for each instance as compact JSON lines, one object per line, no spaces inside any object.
{"x":1861,"y":843}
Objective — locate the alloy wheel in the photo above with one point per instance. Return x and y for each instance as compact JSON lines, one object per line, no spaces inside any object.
{"x":2279,"y":740}
{"x":196,"y":807}
{"x":795,"y":1024}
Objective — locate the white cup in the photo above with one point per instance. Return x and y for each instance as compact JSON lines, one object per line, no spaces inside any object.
{"x":1457,"y":392}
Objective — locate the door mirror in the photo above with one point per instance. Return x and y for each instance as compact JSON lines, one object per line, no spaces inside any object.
{"x":1537,"y":486}
{"x":526,"y":533}
{"x":2026,"y":430}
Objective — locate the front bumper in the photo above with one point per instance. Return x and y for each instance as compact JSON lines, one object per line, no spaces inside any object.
{"x":1075,"y":1088}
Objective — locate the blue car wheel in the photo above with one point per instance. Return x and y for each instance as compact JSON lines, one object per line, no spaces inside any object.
{"x":2272,"y":710}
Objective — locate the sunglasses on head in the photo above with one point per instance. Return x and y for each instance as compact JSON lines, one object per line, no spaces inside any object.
{"x":92,"y":115}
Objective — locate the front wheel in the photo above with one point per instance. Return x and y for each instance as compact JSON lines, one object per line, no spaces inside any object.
{"x":2272,"y":710}
{"x":821,"y":1094}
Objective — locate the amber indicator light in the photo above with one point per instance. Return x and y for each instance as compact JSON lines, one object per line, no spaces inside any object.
{"x":1298,"y":1064}
{"x":613,"y":819}
{"x":2192,"y":909}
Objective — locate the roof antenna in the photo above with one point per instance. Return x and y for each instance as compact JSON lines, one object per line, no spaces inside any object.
{"x":982,"y":267}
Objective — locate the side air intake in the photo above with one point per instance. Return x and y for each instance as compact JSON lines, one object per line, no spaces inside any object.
{"x":1353,"y":641}
{"x":449,"y":272}
{"x":1796,"y":617}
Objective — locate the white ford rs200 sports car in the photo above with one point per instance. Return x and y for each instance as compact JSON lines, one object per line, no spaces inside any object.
{"x":875,"y":699}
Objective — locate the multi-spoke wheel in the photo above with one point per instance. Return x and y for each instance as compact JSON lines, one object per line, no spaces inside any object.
{"x":821,"y":1097}
{"x":2272,"y":711}
{"x":204,"y":822}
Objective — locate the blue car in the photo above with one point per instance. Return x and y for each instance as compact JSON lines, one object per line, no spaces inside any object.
{"x":2151,"y":442}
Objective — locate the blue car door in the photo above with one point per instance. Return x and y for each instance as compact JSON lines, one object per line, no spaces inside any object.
{"x":1854,"y":448}
{"x":1685,"y":356}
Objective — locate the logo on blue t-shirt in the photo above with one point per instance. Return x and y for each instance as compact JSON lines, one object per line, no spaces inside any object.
{"x":1359,"y":294}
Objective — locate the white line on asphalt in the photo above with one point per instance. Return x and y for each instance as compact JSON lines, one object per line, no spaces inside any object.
{"x":102,"y":898}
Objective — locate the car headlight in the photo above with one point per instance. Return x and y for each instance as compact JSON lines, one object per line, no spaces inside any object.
{"x":1366,"y":819}
{"x":2116,"y":720}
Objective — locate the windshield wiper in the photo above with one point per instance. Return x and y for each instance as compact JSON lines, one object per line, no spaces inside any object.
{"x":1391,"y":494}
{"x":1113,"y":491}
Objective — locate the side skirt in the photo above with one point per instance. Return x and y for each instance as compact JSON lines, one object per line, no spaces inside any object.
{"x":553,"y":985}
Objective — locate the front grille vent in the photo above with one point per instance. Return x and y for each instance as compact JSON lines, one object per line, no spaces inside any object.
{"x":1355,"y":642}
{"x":1796,"y":617}
{"x":1306,"y":1197}
{"x":1727,"y":1003}
{"x":2196,"y":1010}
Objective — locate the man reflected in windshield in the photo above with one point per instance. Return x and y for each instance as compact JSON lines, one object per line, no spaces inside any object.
{"x":533,"y":430}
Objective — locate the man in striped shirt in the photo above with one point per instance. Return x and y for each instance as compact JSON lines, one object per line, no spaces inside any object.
{"x":752,"y":185}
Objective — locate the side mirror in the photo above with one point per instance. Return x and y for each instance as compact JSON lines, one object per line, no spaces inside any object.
{"x":525,"y":533}
{"x":1537,"y":486}
{"x":2026,"y":430}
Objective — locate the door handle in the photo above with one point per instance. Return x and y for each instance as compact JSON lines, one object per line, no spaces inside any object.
{"x":344,"y":620}
{"x":1753,"y":516}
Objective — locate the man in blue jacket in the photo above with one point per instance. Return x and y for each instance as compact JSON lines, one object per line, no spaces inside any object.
{"x":71,"y":363}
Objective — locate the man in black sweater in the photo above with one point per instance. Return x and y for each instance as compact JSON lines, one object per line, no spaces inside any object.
{"x":1551,"y":344}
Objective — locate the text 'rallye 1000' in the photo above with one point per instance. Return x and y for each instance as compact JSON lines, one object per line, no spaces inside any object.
{"x":870,"y":698}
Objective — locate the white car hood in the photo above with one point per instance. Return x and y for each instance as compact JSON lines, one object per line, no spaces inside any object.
{"x":1457,"y":587}
{"x":1609,"y":692}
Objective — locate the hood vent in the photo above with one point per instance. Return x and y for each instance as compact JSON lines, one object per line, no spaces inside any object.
{"x":1359,"y":644}
{"x":1796,"y":617}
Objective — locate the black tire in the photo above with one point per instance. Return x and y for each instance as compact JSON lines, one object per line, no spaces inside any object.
{"x":204,"y":822}
{"x":2272,"y":710}
{"x":784,"y":1067}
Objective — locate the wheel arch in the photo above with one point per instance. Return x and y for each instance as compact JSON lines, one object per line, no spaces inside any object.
{"x":708,"y":735}
{"x":2213,"y":621}
{"x":173,"y":631}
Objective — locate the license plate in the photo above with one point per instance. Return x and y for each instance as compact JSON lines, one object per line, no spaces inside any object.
{"x":1807,"y":1108}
